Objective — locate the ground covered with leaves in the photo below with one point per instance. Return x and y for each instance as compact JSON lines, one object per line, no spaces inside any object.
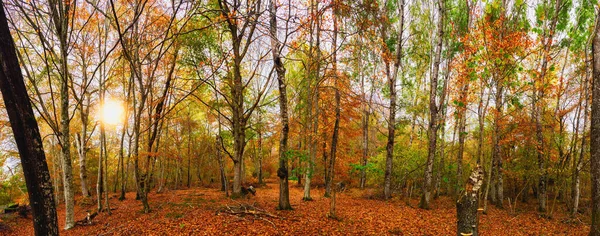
{"x":206,"y":211}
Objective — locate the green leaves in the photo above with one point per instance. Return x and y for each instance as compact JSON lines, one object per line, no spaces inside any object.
{"x":369,"y":167}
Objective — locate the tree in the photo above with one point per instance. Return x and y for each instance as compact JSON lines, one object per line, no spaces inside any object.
{"x":336,"y":125}
{"x":282,"y":172}
{"x":242,"y":36}
{"x":433,"y":110}
{"x":313,"y":68}
{"x":391,"y":74}
{"x":26,"y":135}
{"x":595,"y":131}
{"x":538,"y":100}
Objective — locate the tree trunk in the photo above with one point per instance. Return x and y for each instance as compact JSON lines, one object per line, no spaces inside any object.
{"x":462,"y":123}
{"x":282,"y":172}
{"x":336,"y":126}
{"x":539,"y":107}
{"x":313,"y":99}
{"x":433,"y":112}
{"x":260,"y":158}
{"x":332,"y":213}
{"x":104,"y":158}
{"x":595,"y":132}
{"x":497,"y":186}
{"x":467,"y":205}
{"x":60,"y":14}
{"x":389,"y":158}
{"x":189,"y":151}
{"x":26,"y":135}
{"x":578,"y":162}
{"x":99,"y":185}
{"x":441,"y":166}
{"x":122,"y":157}
{"x":82,"y":149}
{"x":365,"y":137}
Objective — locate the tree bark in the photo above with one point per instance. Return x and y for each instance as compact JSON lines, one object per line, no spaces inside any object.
{"x":365,"y":135}
{"x":578,"y":162}
{"x":336,"y":126}
{"x":538,"y":97}
{"x":282,"y":172}
{"x":260,"y":156}
{"x":82,"y":146}
{"x":26,"y":135}
{"x":595,"y":132}
{"x":389,"y":158}
{"x":497,"y":171}
{"x":433,"y":112}
{"x":467,"y":205}
{"x":462,"y":123}
{"x":60,"y":13}
{"x":313,"y":98}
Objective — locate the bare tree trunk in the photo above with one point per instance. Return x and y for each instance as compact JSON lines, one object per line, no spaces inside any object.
{"x":219,"y":142}
{"x":595,"y":132}
{"x":462,"y":123}
{"x":392,"y":116}
{"x":441,"y":166}
{"x":336,"y":126}
{"x":497,"y":172}
{"x":60,"y":13}
{"x":82,"y":146}
{"x":189,"y":151}
{"x":313,"y":99}
{"x":467,"y":205}
{"x":121,"y":146}
{"x":462,"y":118}
{"x":260,"y":157}
{"x":239,"y":115}
{"x":99,"y":182}
{"x":365,"y":136}
{"x":26,"y":135}
{"x":538,"y":96}
{"x":282,"y":172}
{"x":433,"y":112}
{"x":104,"y":157}
{"x":578,"y":162}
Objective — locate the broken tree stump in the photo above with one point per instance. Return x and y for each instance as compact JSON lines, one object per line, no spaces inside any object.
{"x":87,"y":220}
{"x":467,"y":205}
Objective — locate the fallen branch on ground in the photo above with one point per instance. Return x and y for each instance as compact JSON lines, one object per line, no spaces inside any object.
{"x":242,"y":210}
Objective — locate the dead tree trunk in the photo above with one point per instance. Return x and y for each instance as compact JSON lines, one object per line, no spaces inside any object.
{"x":467,"y":205}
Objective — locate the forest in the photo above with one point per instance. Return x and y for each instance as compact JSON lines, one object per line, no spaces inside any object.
{"x":301,"y":117}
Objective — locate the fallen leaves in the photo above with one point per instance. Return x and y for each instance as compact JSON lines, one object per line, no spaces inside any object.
{"x":193,"y":212}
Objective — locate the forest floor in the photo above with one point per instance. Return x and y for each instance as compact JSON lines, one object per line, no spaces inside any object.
{"x":193,"y":212}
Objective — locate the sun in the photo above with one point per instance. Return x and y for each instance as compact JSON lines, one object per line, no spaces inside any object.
{"x":112,"y":112}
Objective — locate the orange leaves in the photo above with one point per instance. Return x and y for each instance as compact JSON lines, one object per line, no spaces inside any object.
{"x":192,"y":212}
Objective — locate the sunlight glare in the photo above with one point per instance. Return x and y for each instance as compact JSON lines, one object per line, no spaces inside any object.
{"x":112,"y":112}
